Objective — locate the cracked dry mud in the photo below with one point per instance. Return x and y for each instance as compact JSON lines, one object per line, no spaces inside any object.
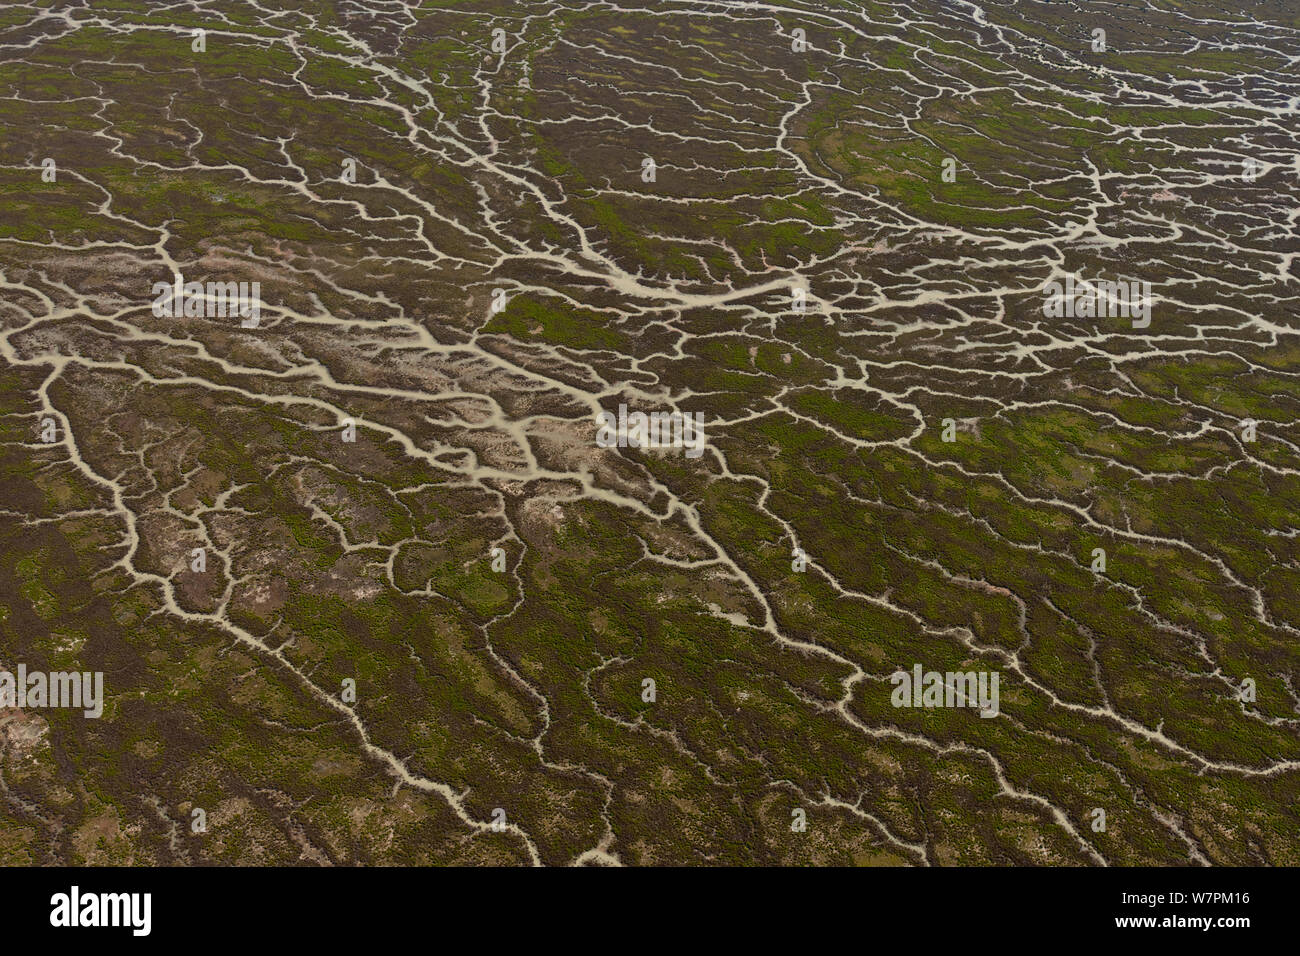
{"x":481,"y":170}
